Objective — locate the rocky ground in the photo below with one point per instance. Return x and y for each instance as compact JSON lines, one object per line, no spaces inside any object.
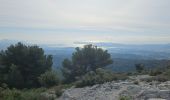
{"x":116,"y":89}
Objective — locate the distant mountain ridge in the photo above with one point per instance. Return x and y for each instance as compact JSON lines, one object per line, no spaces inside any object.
{"x":125,"y":56}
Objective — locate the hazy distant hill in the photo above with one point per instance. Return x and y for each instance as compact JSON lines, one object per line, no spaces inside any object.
{"x":121,"y":64}
{"x":124,"y":56}
{"x":125,"y":62}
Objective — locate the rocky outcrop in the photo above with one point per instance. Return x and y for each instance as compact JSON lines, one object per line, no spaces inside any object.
{"x":115,"y":90}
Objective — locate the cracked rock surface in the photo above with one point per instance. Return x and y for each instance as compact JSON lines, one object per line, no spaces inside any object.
{"x":115,"y":90}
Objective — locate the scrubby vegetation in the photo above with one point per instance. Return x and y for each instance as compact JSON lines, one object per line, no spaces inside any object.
{"x":25,"y":67}
{"x":99,"y":76}
{"x":25,"y":94}
{"x":155,"y":72}
{"x":21,"y":65}
{"x":156,"y":78}
{"x":125,"y":98}
{"x":158,"y":74}
{"x":140,"y":68}
{"x":84,"y":60}
{"x":48,"y":79}
{"x":26,"y":72}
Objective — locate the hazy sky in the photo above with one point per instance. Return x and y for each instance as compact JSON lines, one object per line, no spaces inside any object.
{"x":67,"y":21}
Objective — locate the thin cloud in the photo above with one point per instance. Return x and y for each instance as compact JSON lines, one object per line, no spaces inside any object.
{"x":92,"y":19}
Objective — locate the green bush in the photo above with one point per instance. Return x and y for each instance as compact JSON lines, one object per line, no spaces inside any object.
{"x":21,"y":65}
{"x":167,"y":74}
{"x":87,"y":80}
{"x":32,"y":94}
{"x":147,"y":79}
{"x":139,"y":67}
{"x":49,"y":79}
{"x":136,"y":82}
{"x":155,"y":72}
{"x":119,"y":76}
{"x":124,"y":98}
{"x":84,"y":60}
{"x":160,"y":78}
{"x":98,"y":77}
{"x":14,"y":77}
{"x":14,"y":94}
{"x":4,"y":85}
{"x":10,"y":95}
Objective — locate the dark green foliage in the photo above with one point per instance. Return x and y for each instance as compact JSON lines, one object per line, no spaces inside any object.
{"x":10,"y":94}
{"x":24,"y":63}
{"x":155,"y":72}
{"x":159,"y":74}
{"x":14,"y":77}
{"x":49,"y":79}
{"x":159,"y":78}
{"x":98,"y":77}
{"x":88,"y":79}
{"x":32,"y":94}
{"x":68,"y":71}
{"x":139,"y":67}
{"x":136,"y":82}
{"x":4,"y":85}
{"x":167,"y":73}
{"x":84,"y":60}
{"x":125,"y":98}
{"x":14,"y":94}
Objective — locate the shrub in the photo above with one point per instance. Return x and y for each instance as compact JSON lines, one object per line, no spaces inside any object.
{"x":49,"y":79}
{"x":84,"y":60}
{"x":136,"y":82}
{"x":4,"y":85}
{"x":159,"y":78}
{"x":14,"y":94}
{"x":167,"y":73}
{"x":88,"y":79}
{"x":139,"y":67}
{"x":147,"y":79}
{"x":14,"y":77}
{"x":7,"y":94}
{"x":21,"y":65}
{"x":98,"y":77}
{"x":125,"y":98}
{"x":119,"y":76}
{"x":32,"y":94}
{"x":155,"y":72}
